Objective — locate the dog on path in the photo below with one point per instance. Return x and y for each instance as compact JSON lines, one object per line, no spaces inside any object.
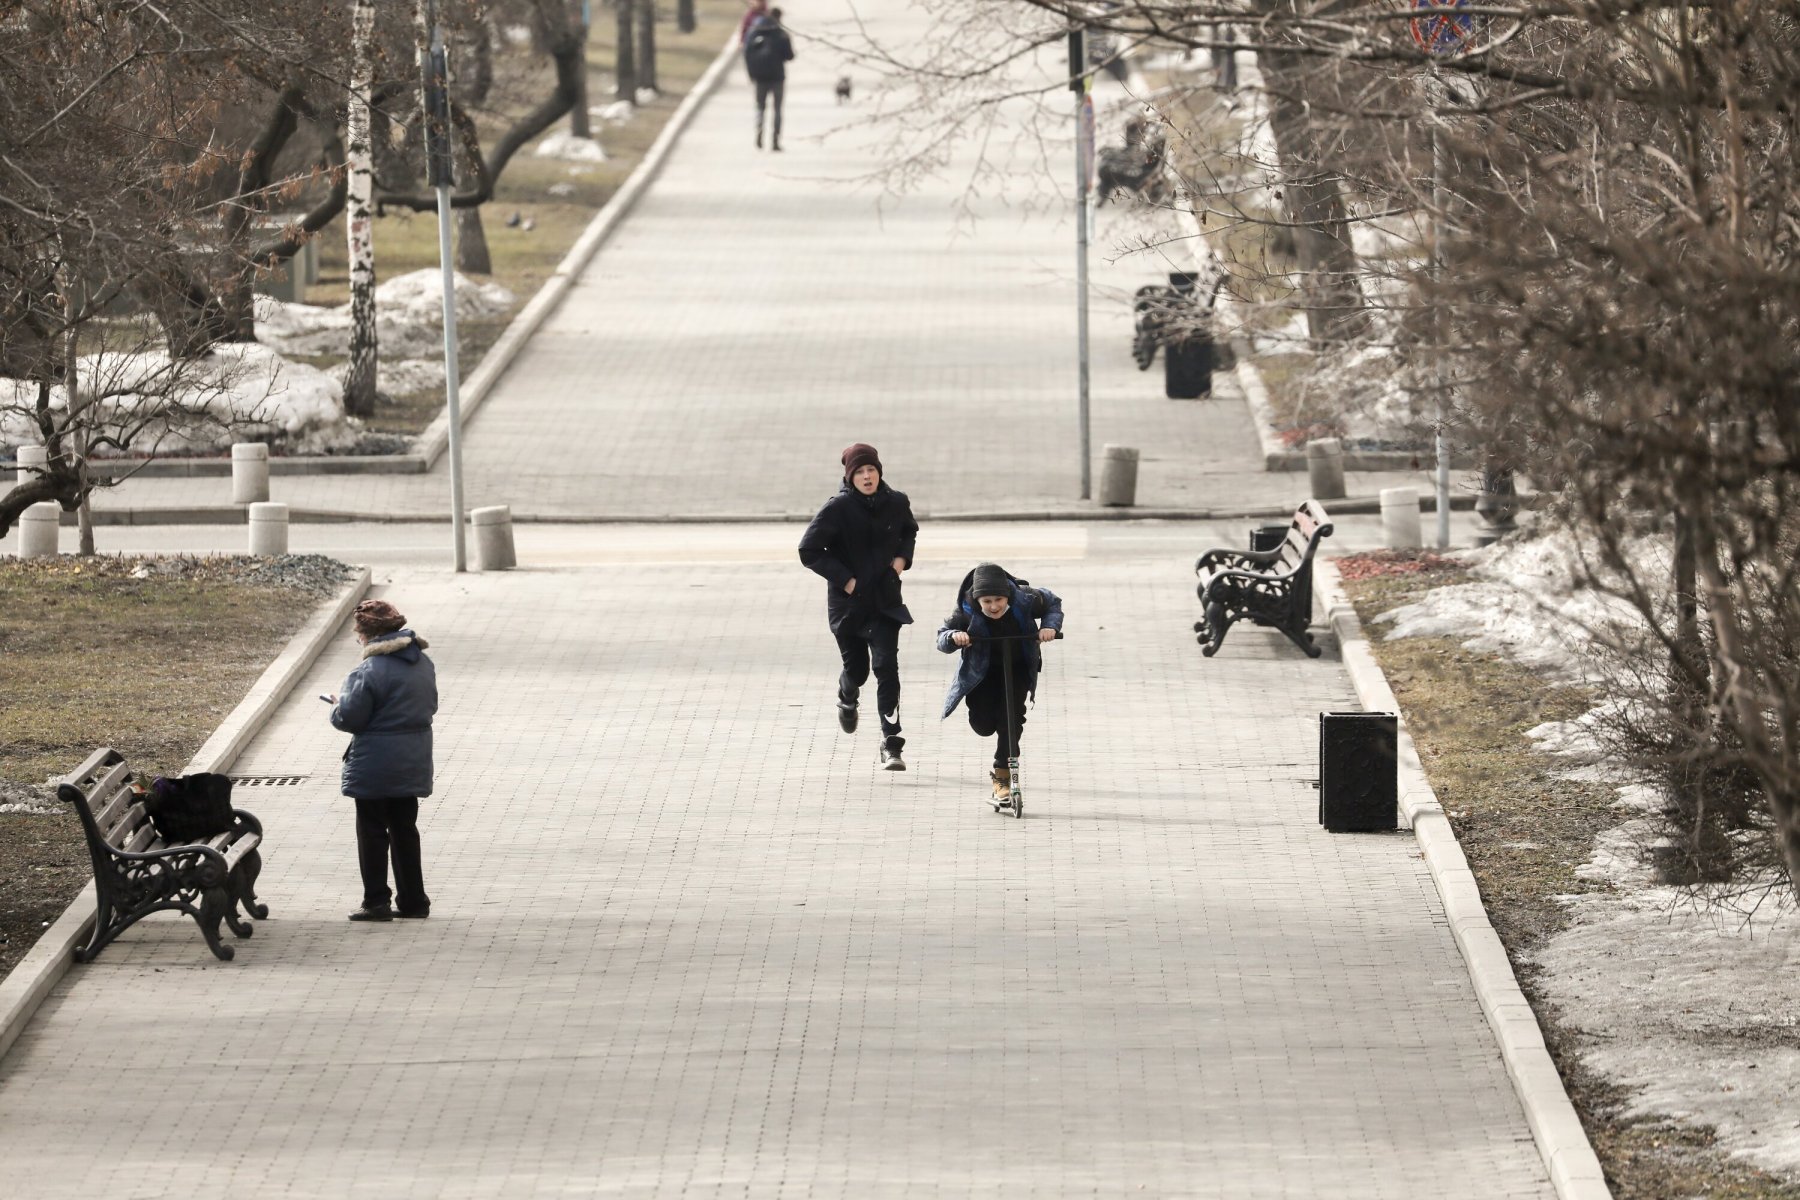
{"x":843,"y":89}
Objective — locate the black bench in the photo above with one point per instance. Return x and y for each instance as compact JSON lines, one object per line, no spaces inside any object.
{"x":1178,"y":321}
{"x":1270,"y":587}
{"x":136,"y":873}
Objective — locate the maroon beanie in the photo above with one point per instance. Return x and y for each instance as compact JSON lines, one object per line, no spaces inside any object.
{"x":374,"y":617}
{"x":860,"y":455}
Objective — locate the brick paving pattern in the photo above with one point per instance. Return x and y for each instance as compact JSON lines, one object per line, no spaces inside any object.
{"x":687,"y":940}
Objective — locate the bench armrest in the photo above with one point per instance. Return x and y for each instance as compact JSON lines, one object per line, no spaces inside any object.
{"x":1225,"y":557}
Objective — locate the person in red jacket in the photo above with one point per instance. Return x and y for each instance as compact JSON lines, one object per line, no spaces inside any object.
{"x":754,"y":12}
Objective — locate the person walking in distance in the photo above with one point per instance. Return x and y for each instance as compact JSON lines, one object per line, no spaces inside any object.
{"x":386,"y":706}
{"x":767,"y":52}
{"x":862,"y":541}
{"x":754,"y":11}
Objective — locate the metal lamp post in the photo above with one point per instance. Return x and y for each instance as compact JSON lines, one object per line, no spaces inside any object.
{"x":440,"y":173}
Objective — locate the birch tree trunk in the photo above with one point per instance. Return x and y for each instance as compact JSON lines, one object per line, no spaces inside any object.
{"x":359,"y":217}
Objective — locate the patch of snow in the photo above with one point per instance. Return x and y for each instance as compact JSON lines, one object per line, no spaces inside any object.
{"x":569,"y":148}
{"x":239,"y":392}
{"x":616,"y":113}
{"x":647,"y":95}
{"x":1691,"y":1009}
{"x":418,"y":297}
{"x":1695,"y":1013}
{"x":399,"y":377}
{"x":1527,"y":604}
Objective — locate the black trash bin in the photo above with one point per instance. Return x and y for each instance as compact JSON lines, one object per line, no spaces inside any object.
{"x":1267,"y":537}
{"x":1359,"y":780}
{"x":1188,"y":365}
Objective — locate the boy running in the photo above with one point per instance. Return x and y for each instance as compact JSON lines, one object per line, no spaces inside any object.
{"x":861,"y":542}
{"x":992,"y":604}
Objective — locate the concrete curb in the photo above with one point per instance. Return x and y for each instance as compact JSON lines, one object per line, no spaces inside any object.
{"x":233,"y":514}
{"x":431,"y":444}
{"x":1568,"y":1156}
{"x":50,"y":958}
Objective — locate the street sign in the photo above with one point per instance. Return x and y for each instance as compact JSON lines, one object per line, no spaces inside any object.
{"x":1441,"y":30}
{"x":1084,"y":143}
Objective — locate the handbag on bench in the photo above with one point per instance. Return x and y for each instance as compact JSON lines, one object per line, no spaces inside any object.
{"x":189,"y":808}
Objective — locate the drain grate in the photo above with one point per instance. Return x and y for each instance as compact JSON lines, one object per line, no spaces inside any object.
{"x":269,"y":780}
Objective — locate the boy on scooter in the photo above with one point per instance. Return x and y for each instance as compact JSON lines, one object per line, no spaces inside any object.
{"x":990,"y":605}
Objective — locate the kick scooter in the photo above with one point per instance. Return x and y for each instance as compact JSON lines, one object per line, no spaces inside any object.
{"x":1015,"y":800}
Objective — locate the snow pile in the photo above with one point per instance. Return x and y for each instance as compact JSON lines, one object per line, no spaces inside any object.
{"x":408,"y":317}
{"x":418,"y":298}
{"x":569,"y":148}
{"x":1529,"y":603}
{"x":1692,"y":1010}
{"x":403,"y":377}
{"x":239,"y":392}
{"x":616,"y":113}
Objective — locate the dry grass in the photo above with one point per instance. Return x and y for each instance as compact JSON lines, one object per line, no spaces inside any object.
{"x":1524,"y":832}
{"x":91,"y":657}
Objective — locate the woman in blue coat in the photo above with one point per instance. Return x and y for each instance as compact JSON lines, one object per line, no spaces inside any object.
{"x":386,"y":705}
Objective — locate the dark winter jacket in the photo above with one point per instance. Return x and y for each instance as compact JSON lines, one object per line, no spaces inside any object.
{"x":767,"y":51}
{"x":858,"y":537}
{"x":386,"y":705}
{"x":1028,"y":607}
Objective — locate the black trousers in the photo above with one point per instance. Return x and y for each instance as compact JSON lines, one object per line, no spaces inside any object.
{"x":766,"y":90}
{"x":384,"y":827}
{"x":987,"y":712}
{"x":879,"y":651}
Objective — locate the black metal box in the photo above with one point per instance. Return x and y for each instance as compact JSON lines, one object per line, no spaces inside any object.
{"x":1359,"y":788}
{"x":1267,"y":537}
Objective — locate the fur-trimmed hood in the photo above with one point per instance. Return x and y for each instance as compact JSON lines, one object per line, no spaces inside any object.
{"x":403,"y":642}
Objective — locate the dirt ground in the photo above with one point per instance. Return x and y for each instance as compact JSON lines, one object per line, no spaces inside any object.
{"x":1525,"y":829}
{"x":146,"y":655}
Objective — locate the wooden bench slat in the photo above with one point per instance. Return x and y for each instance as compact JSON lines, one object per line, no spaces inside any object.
{"x":140,"y":839}
{"x":127,"y":826}
{"x":103,"y":795}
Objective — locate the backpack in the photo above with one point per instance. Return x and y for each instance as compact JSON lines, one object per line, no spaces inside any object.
{"x":190,"y":808}
{"x":762,"y":51}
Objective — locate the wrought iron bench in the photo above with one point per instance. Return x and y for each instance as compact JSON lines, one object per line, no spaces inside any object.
{"x":1270,"y":587}
{"x":136,"y":873}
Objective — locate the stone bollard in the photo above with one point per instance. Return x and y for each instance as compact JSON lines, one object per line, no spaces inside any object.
{"x":31,"y":456}
{"x":1118,"y":476}
{"x":40,"y":528}
{"x":493,"y":538}
{"x":268,"y":529}
{"x":249,"y":472}
{"x":1325,"y":467}
{"x":1400,"y":519}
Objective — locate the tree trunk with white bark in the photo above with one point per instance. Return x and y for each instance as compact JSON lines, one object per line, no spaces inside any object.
{"x":359,"y":382}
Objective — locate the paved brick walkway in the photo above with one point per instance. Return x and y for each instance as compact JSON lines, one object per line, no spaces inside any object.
{"x":687,"y":941}
{"x":756,"y":313}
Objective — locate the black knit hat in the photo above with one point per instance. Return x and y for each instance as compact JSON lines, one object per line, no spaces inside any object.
{"x":861,"y":454}
{"x":990,"y":580}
